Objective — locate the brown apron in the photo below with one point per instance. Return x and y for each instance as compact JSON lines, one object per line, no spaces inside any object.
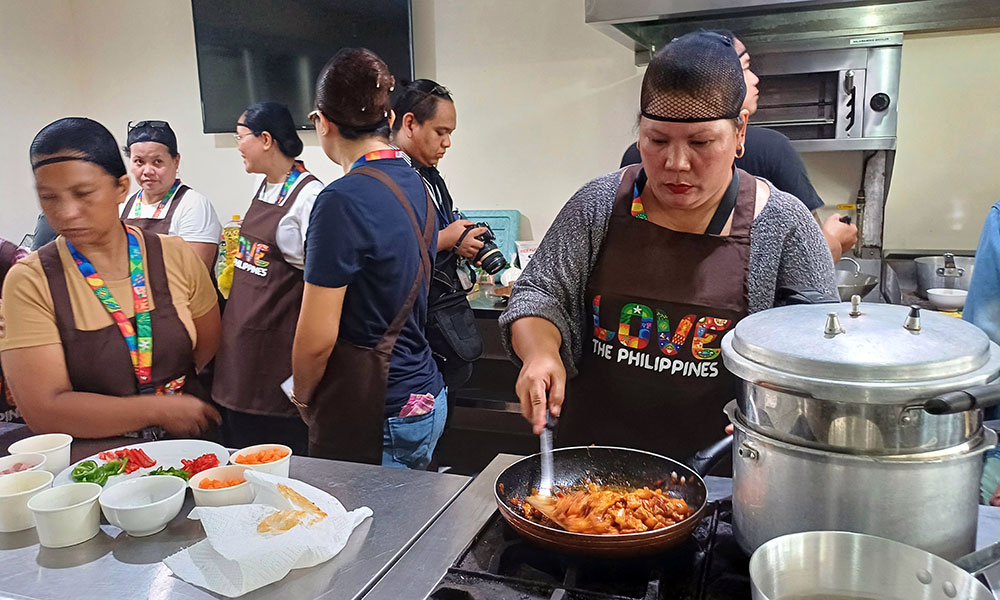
{"x":258,"y":325}
{"x":154,"y":225}
{"x":652,"y":376}
{"x":98,"y":361}
{"x":347,"y":411}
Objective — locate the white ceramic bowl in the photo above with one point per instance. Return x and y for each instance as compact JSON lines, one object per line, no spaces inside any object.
{"x":237,"y":494}
{"x":946,"y":298}
{"x":66,"y":515}
{"x":145,"y":505}
{"x":54,"y":446}
{"x":15,"y":491}
{"x":278,"y":467}
{"x":33,"y":461}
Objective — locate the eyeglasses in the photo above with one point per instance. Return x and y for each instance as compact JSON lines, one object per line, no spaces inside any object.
{"x":314,"y":117}
{"x":240,"y":136}
{"x":138,"y":124}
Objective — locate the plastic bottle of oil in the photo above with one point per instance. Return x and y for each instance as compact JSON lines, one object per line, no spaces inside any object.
{"x":231,"y":242}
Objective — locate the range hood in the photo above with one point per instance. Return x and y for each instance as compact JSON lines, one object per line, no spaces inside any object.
{"x":645,"y":25}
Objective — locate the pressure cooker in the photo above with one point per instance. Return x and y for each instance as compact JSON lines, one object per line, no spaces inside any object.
{"x":863,"y":418}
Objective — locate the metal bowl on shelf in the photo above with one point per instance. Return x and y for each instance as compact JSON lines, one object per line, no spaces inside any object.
{"x":850,"y":283}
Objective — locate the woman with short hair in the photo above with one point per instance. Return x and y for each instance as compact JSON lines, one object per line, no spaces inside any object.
{"x":163,"y":204}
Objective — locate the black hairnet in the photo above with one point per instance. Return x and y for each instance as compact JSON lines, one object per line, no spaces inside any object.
{"x":696,"y":77}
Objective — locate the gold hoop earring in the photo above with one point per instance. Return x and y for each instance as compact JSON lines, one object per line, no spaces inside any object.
{"x":740,"y":150}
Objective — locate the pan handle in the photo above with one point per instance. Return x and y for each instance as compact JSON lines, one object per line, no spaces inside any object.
{"x":980,"y":560}
{"x":704,"y":460}
{"x":980,"y":396}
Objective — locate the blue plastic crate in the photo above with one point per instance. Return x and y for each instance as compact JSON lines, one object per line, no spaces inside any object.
{"x":506,"y":225}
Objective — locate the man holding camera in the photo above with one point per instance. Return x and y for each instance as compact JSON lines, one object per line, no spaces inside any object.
{"x":425,"y":120}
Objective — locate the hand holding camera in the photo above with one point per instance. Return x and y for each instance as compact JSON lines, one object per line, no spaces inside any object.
{"x":455,"y":239}
{"x":489,"y":257}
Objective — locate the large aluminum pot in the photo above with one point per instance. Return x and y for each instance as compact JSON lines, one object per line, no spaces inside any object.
{"x":946,"y":271}
{"x":928,"y":500}
{"x":857,"y":379}
{"x":839,"y":564}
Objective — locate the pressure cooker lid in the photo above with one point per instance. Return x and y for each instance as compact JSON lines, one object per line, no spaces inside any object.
{"x":869,"y":343}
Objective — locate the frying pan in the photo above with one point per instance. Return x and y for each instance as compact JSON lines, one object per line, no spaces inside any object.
{"x":612,"y":466}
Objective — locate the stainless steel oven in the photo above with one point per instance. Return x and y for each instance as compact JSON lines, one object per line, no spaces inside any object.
{"x":832,"y":93}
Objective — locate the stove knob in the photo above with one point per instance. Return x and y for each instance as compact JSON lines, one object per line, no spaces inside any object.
{"x":880,"y":102}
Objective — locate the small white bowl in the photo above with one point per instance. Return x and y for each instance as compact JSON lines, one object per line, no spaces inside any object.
{"x":947,"y":298}
{"x":33,"y":462}
{"x":55,"y":447}
{"x":15,"y":491}
{"x":278,"y":467}
{"x":237,"y":494}
{"x":66,"y":515}
{"x":145,"y":505}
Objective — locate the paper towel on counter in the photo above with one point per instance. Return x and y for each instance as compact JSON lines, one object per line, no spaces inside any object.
{"x":235,"y":559}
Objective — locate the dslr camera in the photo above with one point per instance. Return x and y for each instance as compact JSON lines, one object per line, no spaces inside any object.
{"x":492,"y":259}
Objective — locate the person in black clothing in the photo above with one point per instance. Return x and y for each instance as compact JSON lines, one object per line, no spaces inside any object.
{"x":425,"y":120}
{"x":770,"y":155}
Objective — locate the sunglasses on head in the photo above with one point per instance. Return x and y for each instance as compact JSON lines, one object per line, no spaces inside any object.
{"x":138,"y":124}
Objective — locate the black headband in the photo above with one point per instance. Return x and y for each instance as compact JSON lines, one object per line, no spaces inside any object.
{"x":59,"y":159}
{"x":688,"y":120}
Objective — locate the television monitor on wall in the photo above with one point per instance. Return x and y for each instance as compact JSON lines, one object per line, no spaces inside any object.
{"x":273,"y":50}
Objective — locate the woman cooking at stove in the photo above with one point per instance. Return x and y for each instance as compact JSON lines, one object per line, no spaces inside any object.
{"x":646,"y":268}
{"x":163,"y":204}
{"x":105,"y":327}
{"x":255,"y":356}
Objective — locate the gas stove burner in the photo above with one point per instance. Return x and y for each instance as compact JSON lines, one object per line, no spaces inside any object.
{"x":501,"y":565}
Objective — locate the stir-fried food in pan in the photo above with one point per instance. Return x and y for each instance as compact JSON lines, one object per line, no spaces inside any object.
{"x":606,"y":510}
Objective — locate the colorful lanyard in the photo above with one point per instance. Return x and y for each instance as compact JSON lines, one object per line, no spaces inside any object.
{"x":297,"y":169}
{"x":377,"y":155}
{"x":638,"y":210}
{"x":140,"y":347}
{"x":137,"y":211}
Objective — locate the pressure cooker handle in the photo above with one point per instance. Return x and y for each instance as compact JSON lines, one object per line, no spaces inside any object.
{"x":981,"y":396}
{"x":705,"y":460}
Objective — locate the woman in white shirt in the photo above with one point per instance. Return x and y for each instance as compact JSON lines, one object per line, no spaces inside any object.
{"x":163,"y":204}
{"x":258,"y":325}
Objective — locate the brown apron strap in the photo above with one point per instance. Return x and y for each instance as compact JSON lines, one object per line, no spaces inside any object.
{"x":175,"y":202}
{"x":424,"y":241}
{"x":156,"y":272}
{"x":48,"y":255}
{"x":263,"y":183}
{"x":128,"y":206}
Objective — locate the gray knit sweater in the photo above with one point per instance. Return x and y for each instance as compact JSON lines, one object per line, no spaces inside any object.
{"x":787,"y":249}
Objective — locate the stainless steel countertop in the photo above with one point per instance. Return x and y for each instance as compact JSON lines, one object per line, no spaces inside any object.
{"x":417,"y":573}
{"x":114,"y":565}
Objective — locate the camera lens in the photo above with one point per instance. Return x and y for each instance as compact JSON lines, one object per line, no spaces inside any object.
{"x":492,"y":259}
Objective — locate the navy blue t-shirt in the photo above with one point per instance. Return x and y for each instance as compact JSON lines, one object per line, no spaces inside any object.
{"x":360,"y":236}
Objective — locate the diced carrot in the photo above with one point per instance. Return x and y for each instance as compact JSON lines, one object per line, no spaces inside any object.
{"x":216,"y":484}
{"x":261,"y":457}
